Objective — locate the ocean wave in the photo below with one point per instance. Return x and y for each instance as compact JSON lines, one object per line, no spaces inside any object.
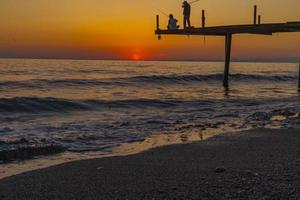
{"x":42,"y":83}
{"x":38,"y":105}
{"x":41,"y":105}
{"x":210,"y":77}
{"x":137,"y":80}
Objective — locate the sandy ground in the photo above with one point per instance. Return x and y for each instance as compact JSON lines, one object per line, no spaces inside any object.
{"x":258,"y":164}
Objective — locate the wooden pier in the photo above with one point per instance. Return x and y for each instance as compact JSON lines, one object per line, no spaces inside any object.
{"x":228,"y":31}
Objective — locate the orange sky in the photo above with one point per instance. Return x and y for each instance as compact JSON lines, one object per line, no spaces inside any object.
{"x":115,"y":29}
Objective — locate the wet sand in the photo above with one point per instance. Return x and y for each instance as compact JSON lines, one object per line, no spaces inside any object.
{"x":154,"y":141}
{"x":257,"y":164}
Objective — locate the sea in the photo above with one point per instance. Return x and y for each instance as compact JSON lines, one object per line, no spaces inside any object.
{"x":98,"y":106}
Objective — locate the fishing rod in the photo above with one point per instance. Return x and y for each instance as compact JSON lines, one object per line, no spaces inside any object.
{"x":194,"y":1}
{"x":162,"y":12}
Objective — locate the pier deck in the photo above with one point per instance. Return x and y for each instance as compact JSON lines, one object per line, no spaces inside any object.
{"x":265,"y":29}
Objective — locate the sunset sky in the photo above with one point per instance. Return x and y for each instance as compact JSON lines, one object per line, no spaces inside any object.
{"x":118,"y":29}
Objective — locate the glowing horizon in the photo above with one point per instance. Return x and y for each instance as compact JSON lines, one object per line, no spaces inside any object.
{"x":112,"y":29}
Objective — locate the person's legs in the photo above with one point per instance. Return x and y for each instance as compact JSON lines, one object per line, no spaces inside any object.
{"x":188,"y":21}
{"x":184,"y":21}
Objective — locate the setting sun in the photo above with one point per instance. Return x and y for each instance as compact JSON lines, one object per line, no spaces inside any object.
{"x":136,"y":57}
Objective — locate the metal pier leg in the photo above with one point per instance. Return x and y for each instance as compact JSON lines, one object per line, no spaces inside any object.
{"x":299,"y":77}
{"x":228,"y":40}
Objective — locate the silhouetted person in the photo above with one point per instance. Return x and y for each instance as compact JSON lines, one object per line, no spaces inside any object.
{"x":186,"y":14}
{"x":172,"y":25}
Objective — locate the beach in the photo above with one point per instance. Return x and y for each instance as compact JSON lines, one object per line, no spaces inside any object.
{"x":255,"y":164}
{"x":72,"y":129}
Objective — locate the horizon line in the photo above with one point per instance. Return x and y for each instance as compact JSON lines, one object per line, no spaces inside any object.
{"x":277,"y":60}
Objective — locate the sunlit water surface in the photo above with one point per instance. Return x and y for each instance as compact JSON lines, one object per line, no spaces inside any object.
{"x":102,"y":105}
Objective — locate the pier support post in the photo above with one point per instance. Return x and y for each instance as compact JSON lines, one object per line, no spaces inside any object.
{"x":203,"y":19}
{"x":228,"y":40}
{"x":299,"y":77}
{"x":255,"y":15}
{"x":157,"y":22}
{"x":157,"y":26}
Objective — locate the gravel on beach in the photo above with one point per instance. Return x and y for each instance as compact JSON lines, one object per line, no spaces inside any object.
{"x":256,"y":164}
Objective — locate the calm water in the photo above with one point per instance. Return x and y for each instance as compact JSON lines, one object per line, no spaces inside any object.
{"x":99,"y":105}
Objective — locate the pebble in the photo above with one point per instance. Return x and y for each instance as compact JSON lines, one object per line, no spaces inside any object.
{"x":43,"y":140}
{"x":250,"y":173}
{"x":174,"y":188}
{"x":23,"y":140}
{"x":6,"y":129}
{"x":161,"y":191}
{"x":220,"y":170}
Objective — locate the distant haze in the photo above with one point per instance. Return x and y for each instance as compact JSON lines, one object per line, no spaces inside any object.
{"x":118,"y":29}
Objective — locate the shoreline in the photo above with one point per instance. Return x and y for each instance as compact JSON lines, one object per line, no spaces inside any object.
{"x":262,"y":163}
{"x":126,"y":149}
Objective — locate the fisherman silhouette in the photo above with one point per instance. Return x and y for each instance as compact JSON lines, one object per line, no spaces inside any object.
{"x":172,"y":25}
{"x":186,"y":14}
